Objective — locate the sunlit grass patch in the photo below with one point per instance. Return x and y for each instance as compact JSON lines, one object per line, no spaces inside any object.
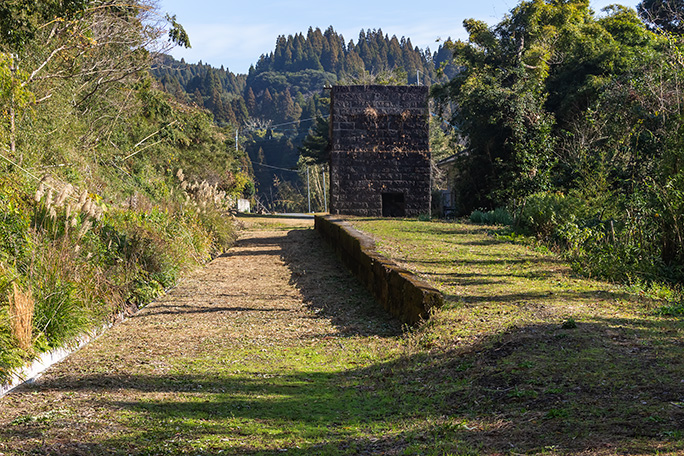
{"x":588,"y":359}
{"x":525,"y":358}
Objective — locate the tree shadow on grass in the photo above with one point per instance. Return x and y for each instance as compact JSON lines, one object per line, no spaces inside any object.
{"x":606,"y":386}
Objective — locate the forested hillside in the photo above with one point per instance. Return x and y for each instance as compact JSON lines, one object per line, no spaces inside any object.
{"x":277,"y":103}
{"x":286,"y":84}
{"x":109,"y":187}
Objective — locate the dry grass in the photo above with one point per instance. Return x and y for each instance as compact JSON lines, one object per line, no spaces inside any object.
{"x":21,"y":308}
{"x":274,"y":348}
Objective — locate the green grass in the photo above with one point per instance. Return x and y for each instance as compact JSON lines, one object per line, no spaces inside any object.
{"x":524,"y":358}
{"x":557,"y":360}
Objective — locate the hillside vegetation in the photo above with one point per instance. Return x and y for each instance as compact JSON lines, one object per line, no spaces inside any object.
{"x":109,"y":188}
{"x":573,"y":123}
{"x":279,"y":101}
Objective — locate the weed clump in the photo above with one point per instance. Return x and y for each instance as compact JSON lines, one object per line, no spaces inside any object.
{"x":570,"y":323}
{"x":78,"y":263}
{"x":21,"y":308}
{"x":498,"y":216}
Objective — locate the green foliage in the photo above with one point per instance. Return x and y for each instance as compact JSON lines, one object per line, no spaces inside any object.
{"x":584,"y":149}
{"x":542,"y":213}
{"x":498,"y":216}
{"x":177,"y":33}
{"x":665,"y":15}
{"x":570,"y":323}
{"x":674,"y":310}
{"x":61,"y":314}
{"x":106,"y":227}
{"x":316,"y":146}
{"x":85,"y":263}
{"x":14,"y":225}
{"x":21,"y":19}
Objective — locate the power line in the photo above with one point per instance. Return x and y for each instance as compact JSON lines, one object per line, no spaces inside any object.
{"x":275,"y":167}
{"x":271,"y":127}
{"x":285,"y":123}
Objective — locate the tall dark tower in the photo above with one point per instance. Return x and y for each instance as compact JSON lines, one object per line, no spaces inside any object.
{"x":380,"y":157}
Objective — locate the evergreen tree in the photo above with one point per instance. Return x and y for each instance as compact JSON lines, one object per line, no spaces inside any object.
{"x":315,"y":148}
{"x":287,"y":111}
{"x":197,"y":98}
{"x":267,"y":106}
{"x":250,"y":102}
{"x":240,"y":111}
{"x":309,"y":109}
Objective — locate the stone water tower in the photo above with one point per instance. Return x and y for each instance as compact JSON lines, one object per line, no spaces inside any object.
{"x":380,"y":154}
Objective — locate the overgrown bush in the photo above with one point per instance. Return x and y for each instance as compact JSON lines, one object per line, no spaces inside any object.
{"x":542,"y":213}
{"x":79,"y":262}
{"x":92,"y":221}
{"x":627,"y":247}
{"x":498,"y":216}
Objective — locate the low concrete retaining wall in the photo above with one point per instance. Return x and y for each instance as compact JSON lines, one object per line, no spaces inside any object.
{"x":398,"y":290}
{"x":35,"y":368}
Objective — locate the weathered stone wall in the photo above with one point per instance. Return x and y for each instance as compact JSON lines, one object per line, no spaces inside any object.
{"x":398,"y":290}
{"x":380,"y":144}
{"x":377,"y":118}
{"x":358,"y":180}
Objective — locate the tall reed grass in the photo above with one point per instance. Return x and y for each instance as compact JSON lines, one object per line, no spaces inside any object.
{"x":77,"y":263}
{"x":21,"y":308}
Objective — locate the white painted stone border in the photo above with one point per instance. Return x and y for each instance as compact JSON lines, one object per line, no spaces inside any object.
{"x":39,"y":365}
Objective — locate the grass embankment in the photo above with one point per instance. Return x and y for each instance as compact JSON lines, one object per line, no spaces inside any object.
{"x":275,"y":349}
{"x":71,"y":263}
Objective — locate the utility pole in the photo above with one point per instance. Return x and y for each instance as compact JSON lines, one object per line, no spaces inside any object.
{"x":236,"y":139}
{"x":417,"y":77}
{"x":325,"y":196}
{"x":308,"y":188}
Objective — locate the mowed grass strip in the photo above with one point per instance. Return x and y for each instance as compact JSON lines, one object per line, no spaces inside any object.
{"x":276,"y":349}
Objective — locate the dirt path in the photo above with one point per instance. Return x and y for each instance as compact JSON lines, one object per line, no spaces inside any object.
{"x":276,"y":306}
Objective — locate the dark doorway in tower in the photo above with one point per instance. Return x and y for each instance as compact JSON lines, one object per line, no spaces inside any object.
{"x":393,"y":205}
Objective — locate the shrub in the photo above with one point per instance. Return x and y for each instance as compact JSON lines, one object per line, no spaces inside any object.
{"x":62,"y":312}
{"x":542,"y":213}
{"x":498,"y":216}
{"x":76,"y":263}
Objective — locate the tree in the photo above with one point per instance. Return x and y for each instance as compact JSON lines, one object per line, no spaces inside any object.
{"x":315,"y":148}
{"x":287,"y":110}
{"x":21,"y":20}
{"x":267,"y":106}
{"x":524,"y":84}
{"x":500,"y":96}
{"x":250,"y":102}
{"x":667,"y":15}
{"x":89,"y":46}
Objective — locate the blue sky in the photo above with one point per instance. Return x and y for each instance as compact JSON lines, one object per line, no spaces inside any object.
{"x":235,"y":34}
